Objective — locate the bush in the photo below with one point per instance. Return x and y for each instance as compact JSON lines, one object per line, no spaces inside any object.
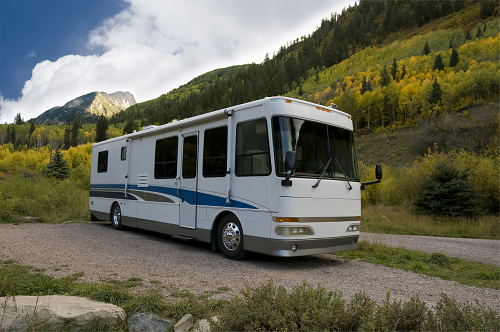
{"x":448,"y":193}
{"x":315,"y":309}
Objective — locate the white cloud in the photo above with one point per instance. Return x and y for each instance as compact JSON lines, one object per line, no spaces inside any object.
{"x":153,"y":46}
{"x":31,"y":54}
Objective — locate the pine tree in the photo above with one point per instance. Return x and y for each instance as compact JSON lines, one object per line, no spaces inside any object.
{"x":427,"y":48}
{"x":101,"y":127}
{"x":129,"y":126}
{"x":435,"y":96}
{"x":479,"y":33}
{"x":394,"y":69}
{"x":74,"y":131}
{"x":385,"y":78}
{"x":403,"y":72}
{"x":468,"y":35}
{"x":18,"y":120}
{"x":448,"y":193}
{"x":438,"y":63}
{"x":454,"y":59}
{"x":67,"y":138}
{"x":58,"y":167}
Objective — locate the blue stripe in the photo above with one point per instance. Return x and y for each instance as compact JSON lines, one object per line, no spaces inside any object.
{"x":189,"y":195}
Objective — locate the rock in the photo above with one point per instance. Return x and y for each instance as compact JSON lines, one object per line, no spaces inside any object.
{"x":184,"y":324}
{"x":29,"y":219}
{"x":201,"y":326}
{"x":56,"y":312}
{"x":145,"y":322}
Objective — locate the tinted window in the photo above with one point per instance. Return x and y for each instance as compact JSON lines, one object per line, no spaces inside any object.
{"x":123,"y":153}
{"x":252,"y":148}
{"x":189,"y":157}
{"x":215,"y":152}
{"x":166,"y":158}
{"x":102,"y":162}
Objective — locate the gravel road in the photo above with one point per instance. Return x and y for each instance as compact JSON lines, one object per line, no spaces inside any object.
{"x":477,"y":250}
{"x":173,"y":265}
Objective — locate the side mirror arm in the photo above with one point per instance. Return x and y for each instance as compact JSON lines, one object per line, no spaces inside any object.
{"x":378,"y":175}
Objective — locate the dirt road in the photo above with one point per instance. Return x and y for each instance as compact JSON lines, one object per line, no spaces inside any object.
{"x":172,"y":265}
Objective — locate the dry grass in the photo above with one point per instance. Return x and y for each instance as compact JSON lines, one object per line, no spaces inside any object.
{"x":400,"y":220}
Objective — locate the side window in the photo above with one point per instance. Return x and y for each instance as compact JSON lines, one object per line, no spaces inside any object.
{"x":215,"y":152}
{"x":252,"y":148}
{"x":190,"y":152}
{"x":166,"y":158}
{"x":123,"y":154}
{"x":102,"y":162}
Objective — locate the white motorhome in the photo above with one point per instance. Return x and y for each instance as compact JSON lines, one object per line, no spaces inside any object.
{"x":277,"y":176}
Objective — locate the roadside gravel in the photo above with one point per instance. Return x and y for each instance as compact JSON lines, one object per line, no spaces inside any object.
{"x":172,"y":265}
{"x":477,"y":250}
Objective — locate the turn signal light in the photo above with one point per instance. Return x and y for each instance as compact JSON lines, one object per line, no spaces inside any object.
{"x":279,"y":219}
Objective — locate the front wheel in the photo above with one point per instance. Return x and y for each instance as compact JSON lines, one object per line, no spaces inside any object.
{"x":116,"y":217}
{"x":230,"y":237}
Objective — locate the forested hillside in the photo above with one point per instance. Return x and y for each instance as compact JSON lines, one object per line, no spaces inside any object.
{"x":385,"y":63}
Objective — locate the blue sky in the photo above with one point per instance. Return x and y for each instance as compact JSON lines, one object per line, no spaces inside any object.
{"x":52,"y":51}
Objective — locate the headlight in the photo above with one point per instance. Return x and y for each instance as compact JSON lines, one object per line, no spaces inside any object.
{"x":352,"y":228}
{"x":294,"y":231}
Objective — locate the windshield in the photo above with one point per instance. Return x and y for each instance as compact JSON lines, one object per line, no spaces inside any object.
{"x":310,"y":141}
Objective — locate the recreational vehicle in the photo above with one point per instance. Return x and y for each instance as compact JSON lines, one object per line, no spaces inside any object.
{"x":277,"y":176}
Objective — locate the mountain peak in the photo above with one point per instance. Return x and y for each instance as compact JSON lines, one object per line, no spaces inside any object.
{"x":88,"y":107}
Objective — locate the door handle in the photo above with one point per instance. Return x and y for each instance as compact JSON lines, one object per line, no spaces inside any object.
{"x":178,"y":183}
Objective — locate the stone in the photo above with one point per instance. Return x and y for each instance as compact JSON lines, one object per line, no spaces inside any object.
{"x":57,"y":312}
{"x":184,"y":324}
{"x":29,"y":219}
{"x":146,"y":322}
{"x":203,"y":325}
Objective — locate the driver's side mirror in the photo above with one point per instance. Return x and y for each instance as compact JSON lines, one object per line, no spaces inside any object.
{"x":290,"y":161}
{"x":378,"y":172}
{"x":290,"y":165}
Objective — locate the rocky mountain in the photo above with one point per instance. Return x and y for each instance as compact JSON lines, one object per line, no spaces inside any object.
{"x":88,"y":107}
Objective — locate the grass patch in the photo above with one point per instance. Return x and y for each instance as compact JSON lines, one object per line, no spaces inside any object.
{"x":399,"y":220}
{"x":435,"y":265}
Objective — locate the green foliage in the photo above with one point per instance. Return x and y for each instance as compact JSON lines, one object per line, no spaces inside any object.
{"x":438,"y":63}
{"x":58,"y":167}
{"x":448,"y":193}
{"x":47,"y":199}
{"x":454,"y":59}
{"x":101,"y":128}
{"x":436,"y":93}
{"x":306,"y":308}
{"x":427,"y":48}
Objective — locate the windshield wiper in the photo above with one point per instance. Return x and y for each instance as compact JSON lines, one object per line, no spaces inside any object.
{"x":322,"y":173}
{"x":326,"y":167}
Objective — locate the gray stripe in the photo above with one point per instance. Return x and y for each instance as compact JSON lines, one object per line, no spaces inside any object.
{"x":326,"y":219}
{"x":150,"y":197}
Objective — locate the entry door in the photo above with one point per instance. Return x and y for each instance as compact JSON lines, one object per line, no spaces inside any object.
{"x":189,"y":180}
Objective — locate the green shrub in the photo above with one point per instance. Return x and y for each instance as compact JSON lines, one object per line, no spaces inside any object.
{"x":448,"y":193}
{"x":307,"y":308}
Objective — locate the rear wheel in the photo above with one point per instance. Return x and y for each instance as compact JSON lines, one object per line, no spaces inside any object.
{"x":230,"y":237}
{"x":116,"y":217}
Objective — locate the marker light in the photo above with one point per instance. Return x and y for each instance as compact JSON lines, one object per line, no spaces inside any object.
{"x":288,"y":101}
{"x":279,"y":219}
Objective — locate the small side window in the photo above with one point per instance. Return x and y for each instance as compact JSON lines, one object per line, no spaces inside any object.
{"x":102,"y":162}
{"x":124,"y":153}
{"x":252,"y":148}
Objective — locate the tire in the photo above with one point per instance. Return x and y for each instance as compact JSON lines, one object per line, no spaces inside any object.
{"x":230,"y":237}
{"x":116,"y":217}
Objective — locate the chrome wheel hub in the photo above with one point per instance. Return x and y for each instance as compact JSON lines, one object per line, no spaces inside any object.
{"x":116,"y":216}
{"x":231,"y":236}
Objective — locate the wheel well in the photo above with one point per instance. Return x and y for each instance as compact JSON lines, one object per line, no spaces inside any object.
{"x":215,"y":225}
{"x":111,"y":210}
